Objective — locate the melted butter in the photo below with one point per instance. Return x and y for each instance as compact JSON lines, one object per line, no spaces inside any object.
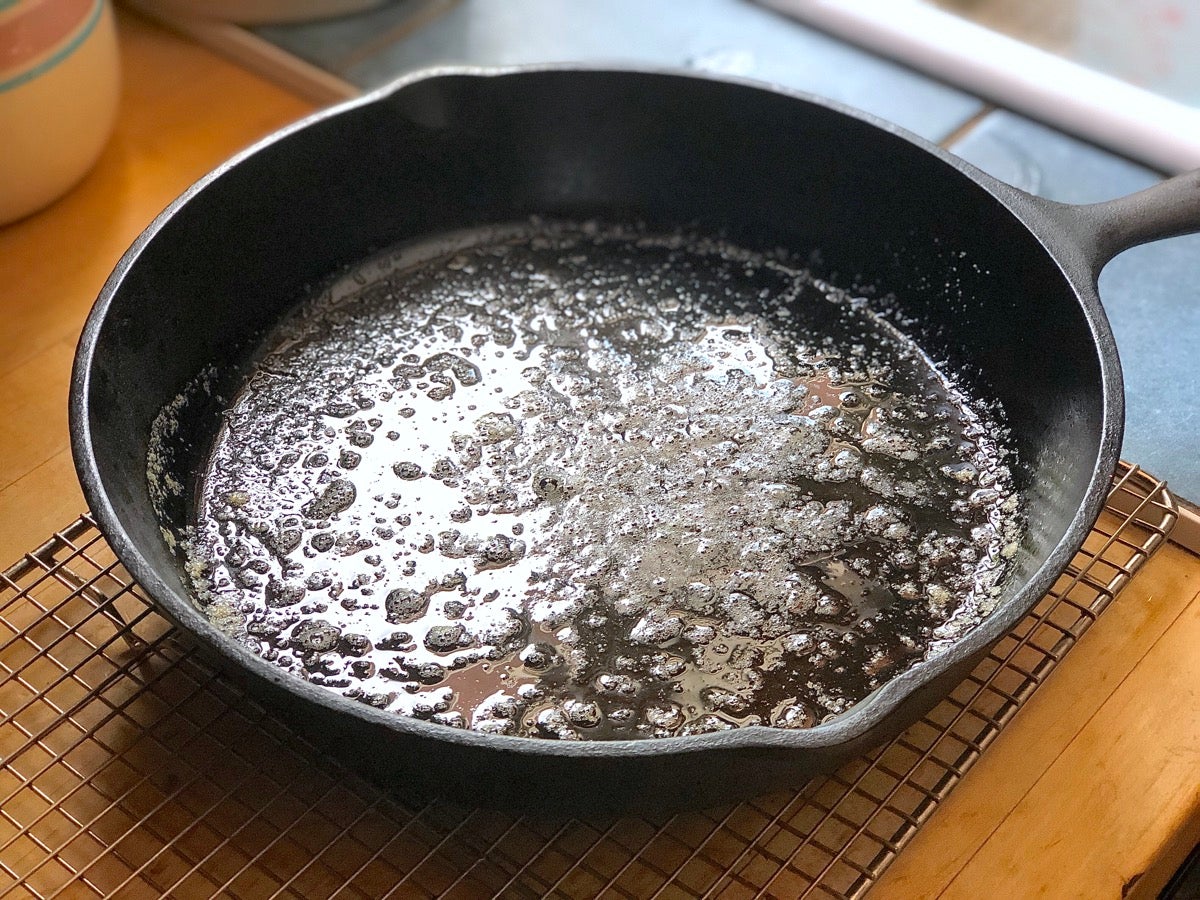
{"x":578,"y":483}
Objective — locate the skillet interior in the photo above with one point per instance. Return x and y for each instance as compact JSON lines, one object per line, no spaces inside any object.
{"x":458,"y":150}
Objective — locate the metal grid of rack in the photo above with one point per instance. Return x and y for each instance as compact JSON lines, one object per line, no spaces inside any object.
{"x":132,"y":769}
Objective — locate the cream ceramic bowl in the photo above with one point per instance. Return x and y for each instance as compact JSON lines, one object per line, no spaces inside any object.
{"x":58,"y":97}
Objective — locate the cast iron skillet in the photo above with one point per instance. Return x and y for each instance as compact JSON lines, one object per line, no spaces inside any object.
{"x":1002,"y":284}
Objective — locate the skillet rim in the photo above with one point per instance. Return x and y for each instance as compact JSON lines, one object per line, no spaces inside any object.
{"x":1042,"y":219}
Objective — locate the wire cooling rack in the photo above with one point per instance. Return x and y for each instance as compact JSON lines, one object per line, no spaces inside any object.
{"x":131,"y":769}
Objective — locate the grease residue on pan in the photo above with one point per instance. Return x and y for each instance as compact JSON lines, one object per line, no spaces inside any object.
{"x":579,"y":482}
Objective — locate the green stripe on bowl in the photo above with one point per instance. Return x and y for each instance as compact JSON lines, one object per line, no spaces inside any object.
{"x":47,"y":64}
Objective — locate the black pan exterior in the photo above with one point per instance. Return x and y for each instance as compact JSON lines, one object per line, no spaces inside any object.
{"x":996,"y":289}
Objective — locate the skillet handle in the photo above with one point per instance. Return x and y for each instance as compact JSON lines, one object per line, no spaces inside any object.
{"x":1168,"y":209}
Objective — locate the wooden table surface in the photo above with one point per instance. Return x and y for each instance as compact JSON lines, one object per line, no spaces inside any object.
{"x":1093,"y":791}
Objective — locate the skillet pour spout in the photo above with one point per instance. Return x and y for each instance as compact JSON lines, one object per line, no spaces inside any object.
{"x":1000,"y":285}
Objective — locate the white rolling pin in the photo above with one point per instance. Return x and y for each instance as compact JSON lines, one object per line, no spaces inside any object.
{"x":1155,"y":130}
